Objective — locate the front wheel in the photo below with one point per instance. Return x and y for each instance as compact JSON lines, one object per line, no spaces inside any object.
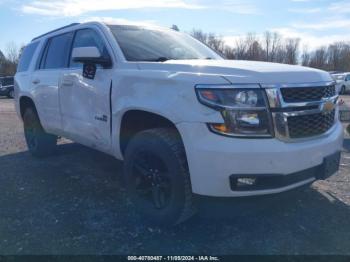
{"x":39,"y":142}
{"x":157,"y":177}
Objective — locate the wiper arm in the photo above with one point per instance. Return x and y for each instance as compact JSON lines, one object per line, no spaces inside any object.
{"x":162,"y":59}
{"x":199,"y":58}
{"x":159,"y":59}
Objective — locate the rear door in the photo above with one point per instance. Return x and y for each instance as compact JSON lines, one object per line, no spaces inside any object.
{"x":45,"y":80}
{"x":85,"y":103}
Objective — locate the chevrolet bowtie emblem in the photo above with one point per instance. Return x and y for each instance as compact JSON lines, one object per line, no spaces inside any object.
{"x":328,"y":106}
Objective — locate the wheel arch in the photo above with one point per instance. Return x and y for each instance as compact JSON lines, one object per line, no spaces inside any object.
{"x":134,"y":121}
{"x":25,"y":102}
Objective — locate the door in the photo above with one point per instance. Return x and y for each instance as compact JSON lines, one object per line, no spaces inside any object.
{"x":45,"y":80}
{"x":85,"y":103}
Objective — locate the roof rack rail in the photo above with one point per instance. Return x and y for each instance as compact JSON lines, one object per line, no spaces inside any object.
{"x":55,"y":31}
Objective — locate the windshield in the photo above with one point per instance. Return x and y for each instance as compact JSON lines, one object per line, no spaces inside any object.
{"x":159,"y":45}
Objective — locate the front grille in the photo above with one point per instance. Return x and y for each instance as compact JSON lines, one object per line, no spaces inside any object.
{"x":310,"y":125}
{"x":307,"y":94}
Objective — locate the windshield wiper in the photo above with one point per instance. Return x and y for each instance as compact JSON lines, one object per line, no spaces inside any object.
{"x":159,"y":59}
{"x":199,"y":58}
{"x":164,"y":59}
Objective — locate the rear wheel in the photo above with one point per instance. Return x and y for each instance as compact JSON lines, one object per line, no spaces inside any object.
{"x":157,"y":177}
{"x":39,"y":142}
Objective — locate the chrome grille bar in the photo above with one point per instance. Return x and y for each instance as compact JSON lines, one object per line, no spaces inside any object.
{"x":282,"y":110}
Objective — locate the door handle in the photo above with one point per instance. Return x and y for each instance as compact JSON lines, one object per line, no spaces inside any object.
{"x":36,"y":81}
{"x":67,"y":82}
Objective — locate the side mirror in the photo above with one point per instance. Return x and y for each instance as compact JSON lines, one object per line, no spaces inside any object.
{"x":90,"y":55}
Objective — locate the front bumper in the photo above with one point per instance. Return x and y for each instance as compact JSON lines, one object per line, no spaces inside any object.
{"x":261,"y":182}
{"x":214,"y":159}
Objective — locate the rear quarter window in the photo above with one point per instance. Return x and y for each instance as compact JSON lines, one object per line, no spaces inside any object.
{"x":27,"y":57}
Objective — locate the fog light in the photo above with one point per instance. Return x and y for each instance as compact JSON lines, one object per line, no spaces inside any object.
{"x":244,"y":181}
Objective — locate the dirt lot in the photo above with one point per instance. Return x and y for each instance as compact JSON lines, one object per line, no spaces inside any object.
{"x":73,"y":203}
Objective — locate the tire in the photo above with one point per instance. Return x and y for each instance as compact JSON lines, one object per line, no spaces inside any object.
{"x":40,"y":143}
{"x":157,"y":178}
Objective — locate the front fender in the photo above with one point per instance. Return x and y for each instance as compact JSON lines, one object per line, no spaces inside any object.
{"x":171,"y":95}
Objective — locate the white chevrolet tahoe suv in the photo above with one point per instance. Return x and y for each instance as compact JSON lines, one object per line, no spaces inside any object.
{"x":184,"y":120}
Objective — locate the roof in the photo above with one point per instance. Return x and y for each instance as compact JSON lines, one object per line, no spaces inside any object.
{"x":107,"y":23}
{"x":58,"y":29}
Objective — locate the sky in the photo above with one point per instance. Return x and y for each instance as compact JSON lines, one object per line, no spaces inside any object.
{"x":315,"y":22}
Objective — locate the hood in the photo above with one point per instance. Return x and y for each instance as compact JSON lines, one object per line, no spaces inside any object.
{"x":237,"y":71}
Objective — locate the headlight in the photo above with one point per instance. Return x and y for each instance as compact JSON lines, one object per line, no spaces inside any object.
{"x":244,"y":110}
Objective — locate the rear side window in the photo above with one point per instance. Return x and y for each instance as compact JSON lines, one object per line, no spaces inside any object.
{"x":26,"y":57}
{"x":57,"y":52}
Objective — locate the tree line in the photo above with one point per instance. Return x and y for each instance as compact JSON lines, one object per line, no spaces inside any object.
{"x":9,"y":60}
{"x":272,"y":47}
{"x":269,"y":47}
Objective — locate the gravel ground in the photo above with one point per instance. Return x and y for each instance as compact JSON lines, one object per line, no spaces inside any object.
{"x":73,"y":203}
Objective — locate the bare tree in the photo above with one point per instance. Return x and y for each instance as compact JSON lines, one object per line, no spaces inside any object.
{"x":291,"y":48}
{"x":200,"y":35}
{"x":335,"y":57}
{"x":216,"y":43}
{"x":334,"y":52}
{"x":9,"y":61}
{"x":267,"y":41}
{"x":2,"y":57}
{"x":250,"y":48}
{"x":240,"y":49}
{"x":319,"y":58}
{"x":12,"y":52}
{"x":230,"y":53}
{"x":272,"y":47}
{"x":305,"y":56}
{"x":275,"y":46}
{"x":212,"y":40}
